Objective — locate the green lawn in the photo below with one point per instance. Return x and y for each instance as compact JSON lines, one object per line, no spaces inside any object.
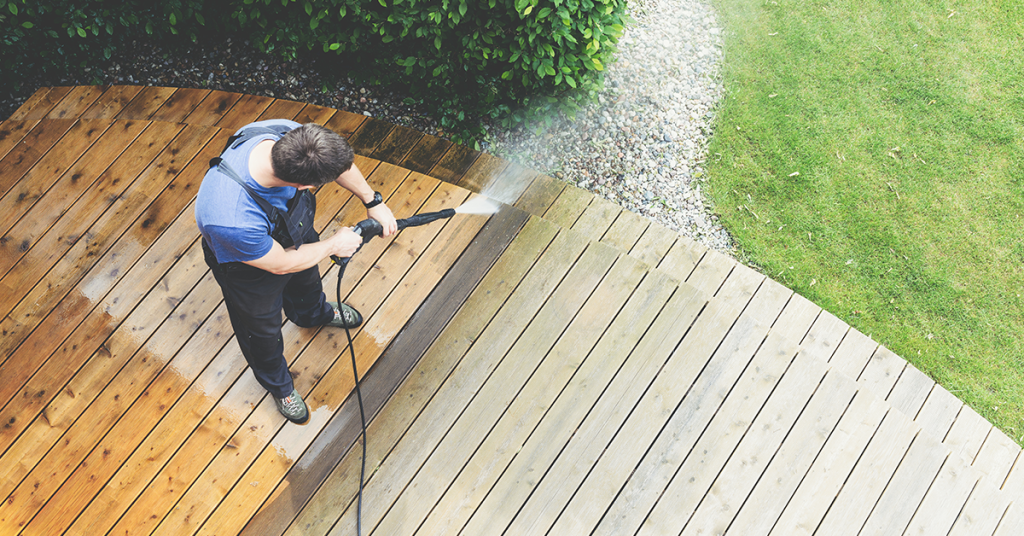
{"x":870,"y":155}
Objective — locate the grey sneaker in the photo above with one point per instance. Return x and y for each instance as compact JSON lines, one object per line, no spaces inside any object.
{"x":293,"y":408}
{"x":345,"y":316}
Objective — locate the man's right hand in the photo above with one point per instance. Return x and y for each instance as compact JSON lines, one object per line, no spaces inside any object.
{"x":345,"y":242}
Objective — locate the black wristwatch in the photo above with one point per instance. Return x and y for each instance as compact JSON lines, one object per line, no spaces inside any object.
{"x":377,"y":199}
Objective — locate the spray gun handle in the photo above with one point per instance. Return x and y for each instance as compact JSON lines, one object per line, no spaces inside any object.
{"x":367,"y":229}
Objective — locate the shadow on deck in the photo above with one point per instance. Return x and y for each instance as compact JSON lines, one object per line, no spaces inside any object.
{"x":562,"y":367}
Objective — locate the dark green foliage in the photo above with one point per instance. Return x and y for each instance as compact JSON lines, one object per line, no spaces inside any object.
{"x":466,"y":58}
{"x":56,"y":36}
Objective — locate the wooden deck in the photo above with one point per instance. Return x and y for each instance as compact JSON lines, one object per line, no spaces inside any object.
{"x":563,"y":367}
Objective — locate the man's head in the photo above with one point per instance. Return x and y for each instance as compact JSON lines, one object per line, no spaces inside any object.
{"x":310,"y":155}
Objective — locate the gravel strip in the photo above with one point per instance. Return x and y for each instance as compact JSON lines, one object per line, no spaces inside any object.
{"x":642,"y":145}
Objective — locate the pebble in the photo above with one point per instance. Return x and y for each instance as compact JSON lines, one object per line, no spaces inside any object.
{"x":643,"y":144}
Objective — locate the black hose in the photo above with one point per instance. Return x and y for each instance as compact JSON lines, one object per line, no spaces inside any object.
{"x":368,"y":229}
{"x":362,"y":414}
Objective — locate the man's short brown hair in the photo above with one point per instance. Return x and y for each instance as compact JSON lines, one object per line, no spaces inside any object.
{"x":311,"y":155}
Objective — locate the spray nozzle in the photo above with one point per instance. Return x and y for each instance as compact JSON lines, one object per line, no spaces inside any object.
{"x":370,"y":228}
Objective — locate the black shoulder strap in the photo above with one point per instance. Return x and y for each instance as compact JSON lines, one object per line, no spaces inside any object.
{"x":224,"y":168}
{"x":244,"y":135}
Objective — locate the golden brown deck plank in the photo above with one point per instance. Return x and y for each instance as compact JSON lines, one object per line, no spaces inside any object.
{"x":425,"y":154}
{"x":454,"y":164}
{"x":149,"y":207}
{"x":213,"y":108}
{"x":77,"y":101}
{"x":26,"y":154}
{"x":112,"y":102}
{"x":146,"y":103}
{"x":12,"y":132}
{"x":346,"y":123}
{"x":19,"y":240}
{"x":397,"y":144}
{"x":315,"y":114}
{"x":64,"y":295}
{"x":40,"y":103}
{"x":244,"y":111}
{"x":181,"y":103}
{"x":22,"y":197}
{"x":369,"y":135}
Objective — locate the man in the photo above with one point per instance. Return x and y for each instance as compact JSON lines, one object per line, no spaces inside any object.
{"x":255,"y":211}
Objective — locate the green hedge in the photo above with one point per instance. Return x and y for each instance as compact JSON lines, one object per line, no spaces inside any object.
{"x":465,"y":58}
{"x":52,"y":36}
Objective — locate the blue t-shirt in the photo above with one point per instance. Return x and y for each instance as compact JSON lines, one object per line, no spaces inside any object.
{"x":233,"y":225}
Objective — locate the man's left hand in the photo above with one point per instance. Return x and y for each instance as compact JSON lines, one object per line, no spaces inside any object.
{"x":383,"y":214}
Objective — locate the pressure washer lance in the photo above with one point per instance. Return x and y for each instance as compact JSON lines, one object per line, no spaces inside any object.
{"x":368,"y":229}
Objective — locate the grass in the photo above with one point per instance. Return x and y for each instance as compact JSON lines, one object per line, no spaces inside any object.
{"x":870,"y":155}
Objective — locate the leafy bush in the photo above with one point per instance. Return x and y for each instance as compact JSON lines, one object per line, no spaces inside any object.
{"x":60,"y":35}
{"x":465,"y":58}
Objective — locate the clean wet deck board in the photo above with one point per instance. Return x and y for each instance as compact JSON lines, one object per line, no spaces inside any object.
{"x":522,"y":374}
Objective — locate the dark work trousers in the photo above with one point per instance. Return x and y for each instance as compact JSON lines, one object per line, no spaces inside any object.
{"x":254,"y":299}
